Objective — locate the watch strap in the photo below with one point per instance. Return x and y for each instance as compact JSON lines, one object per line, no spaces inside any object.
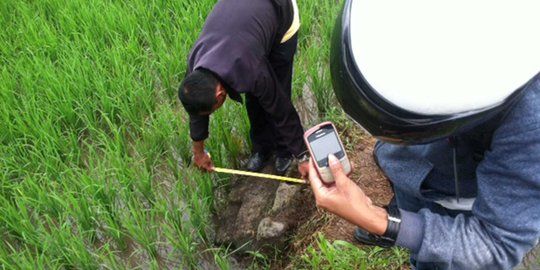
{"x":388,"y":239}
{"x":394,"y":222}
{"x":303,"y":157}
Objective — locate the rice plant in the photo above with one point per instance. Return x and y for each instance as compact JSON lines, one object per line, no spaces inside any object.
{"x":94,"y":145}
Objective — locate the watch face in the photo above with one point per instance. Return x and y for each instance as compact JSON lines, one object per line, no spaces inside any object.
{"x":303,"y":158}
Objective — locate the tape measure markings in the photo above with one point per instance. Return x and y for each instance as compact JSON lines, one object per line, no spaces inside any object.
{"x":261,"y":175}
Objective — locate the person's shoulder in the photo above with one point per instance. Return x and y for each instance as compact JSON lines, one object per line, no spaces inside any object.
{"x":527,"y":108}
{"x":525,"y":114}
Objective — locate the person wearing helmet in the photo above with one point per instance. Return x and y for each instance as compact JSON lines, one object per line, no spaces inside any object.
{"x":452,"y":92}
{"x":247,"y":47}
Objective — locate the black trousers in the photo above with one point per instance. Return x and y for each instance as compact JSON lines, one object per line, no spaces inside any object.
{"x":264,"y":135}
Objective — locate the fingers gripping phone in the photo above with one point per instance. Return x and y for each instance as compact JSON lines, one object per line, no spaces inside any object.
{"x":321,"y":141}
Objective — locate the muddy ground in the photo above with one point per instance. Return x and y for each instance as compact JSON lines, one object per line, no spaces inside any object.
{"x":303,"y":219}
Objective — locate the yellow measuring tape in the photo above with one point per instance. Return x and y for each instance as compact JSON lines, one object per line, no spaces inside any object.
{"x":262,"y":175}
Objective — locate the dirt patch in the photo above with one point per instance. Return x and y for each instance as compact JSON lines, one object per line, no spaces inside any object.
{"x":368,"y":176}
{"x":260,"y":214}
{"x":303,"y":220}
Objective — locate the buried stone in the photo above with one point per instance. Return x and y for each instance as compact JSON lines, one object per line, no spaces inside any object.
{"x":260,"y":215}
{"x":269,"y":229}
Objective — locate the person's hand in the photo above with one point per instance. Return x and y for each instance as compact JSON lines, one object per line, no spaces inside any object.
{"x":203,"y":161}
{"x":303,"y":169}
{"x":346,"y":199}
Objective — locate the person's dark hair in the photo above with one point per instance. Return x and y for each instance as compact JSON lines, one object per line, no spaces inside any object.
{"x":197,"y":91}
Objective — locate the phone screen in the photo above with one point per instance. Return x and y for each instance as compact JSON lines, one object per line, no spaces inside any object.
{"x":324,"y":143}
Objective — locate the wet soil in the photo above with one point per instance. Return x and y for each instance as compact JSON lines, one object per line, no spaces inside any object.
{"x":307,"y":221}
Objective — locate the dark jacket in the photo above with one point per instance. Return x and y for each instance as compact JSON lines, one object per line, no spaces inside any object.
{"x":236,"y":39}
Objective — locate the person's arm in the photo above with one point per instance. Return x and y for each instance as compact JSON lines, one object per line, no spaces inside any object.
{"x":506,"y":214}
{"x":198,"y":126}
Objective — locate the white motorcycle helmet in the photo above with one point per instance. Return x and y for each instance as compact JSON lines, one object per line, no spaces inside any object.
{"x":412,"y":72}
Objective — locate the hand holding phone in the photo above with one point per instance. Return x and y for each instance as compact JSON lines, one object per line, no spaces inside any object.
{"x":322,"y":140}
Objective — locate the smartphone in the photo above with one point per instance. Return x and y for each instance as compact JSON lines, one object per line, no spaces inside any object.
{"x":322,"y":140}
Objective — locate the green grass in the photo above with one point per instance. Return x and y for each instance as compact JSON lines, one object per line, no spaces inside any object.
{"x":94,"y":145}
{"x":344,"y":255}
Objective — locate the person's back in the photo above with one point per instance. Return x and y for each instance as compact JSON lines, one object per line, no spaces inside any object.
{"x":236,"y":36}
{"x":247,"y":47}
{"x":497,"y":193}
{"x":256,"y":20}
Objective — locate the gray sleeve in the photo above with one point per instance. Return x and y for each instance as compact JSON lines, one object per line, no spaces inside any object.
{"x":411,"y":231}
{"x":505,"y":221}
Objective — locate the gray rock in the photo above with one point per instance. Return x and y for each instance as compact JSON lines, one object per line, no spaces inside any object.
{"x":270,"y":229}
{"x":285,"y":193}
{"x":260,"y":214}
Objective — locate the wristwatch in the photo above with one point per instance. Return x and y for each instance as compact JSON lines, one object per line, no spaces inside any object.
{"x":303,"y":157}
{"x":394,"y":222}
{"x":389,"y":237}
